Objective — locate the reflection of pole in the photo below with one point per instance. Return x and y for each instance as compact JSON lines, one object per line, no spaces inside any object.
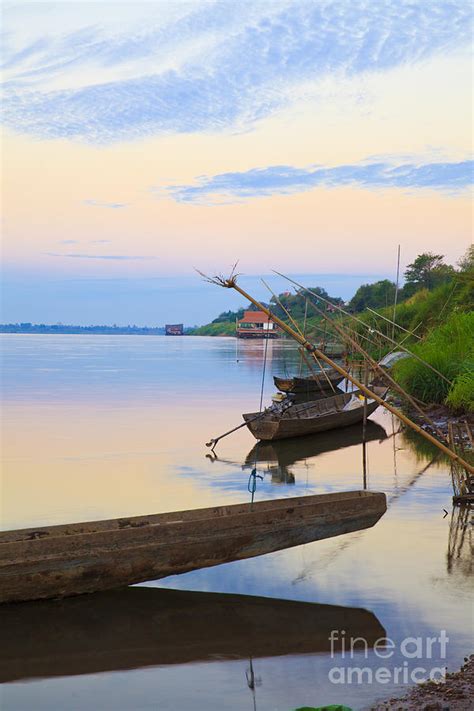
{"x":252,"y":682}
{"x":364,"y":427}
{"x":457,"y":532}
{"x":364,"y":464}
{"x":395,"y":473}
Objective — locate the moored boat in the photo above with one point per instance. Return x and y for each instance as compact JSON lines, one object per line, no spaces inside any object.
{"x":70,"y":559}
{"x":323,"y":383}
{"x":311,"y":417}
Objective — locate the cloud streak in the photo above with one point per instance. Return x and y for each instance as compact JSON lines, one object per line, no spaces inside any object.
{"x":109,"y":205}
{"x":286,"y":180}
{"x":117,"y":257}
{"x":211,"y":66}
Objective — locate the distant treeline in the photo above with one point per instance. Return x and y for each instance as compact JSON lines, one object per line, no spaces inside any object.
{"x":66,"y":328}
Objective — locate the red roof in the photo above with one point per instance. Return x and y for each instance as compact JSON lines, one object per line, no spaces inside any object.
{"x":254,"y":317}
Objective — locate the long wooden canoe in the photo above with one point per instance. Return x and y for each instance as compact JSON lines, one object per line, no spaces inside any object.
{"x":325,"y":384}
{"x":58,"y":561}
{"x":310,"y":417}
{"x":138,"y":627}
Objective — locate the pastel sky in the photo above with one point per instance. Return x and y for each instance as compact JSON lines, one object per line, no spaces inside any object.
{"x":143,"y":139}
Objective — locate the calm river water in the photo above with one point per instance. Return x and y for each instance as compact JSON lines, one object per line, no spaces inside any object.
{"x":103,"y":426}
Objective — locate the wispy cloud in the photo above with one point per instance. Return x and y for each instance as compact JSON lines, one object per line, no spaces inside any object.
{"x":207,"y":66}
{"x":110,"y":205}
{"x":69,"y":241}
{"x":100,"y":241}
{"x":122,"y":257}
{"x":281,"y":179}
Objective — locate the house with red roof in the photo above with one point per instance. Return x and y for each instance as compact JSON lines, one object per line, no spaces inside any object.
{"x":256,"y":324}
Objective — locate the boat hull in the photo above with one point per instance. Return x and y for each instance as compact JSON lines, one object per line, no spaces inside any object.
{"x":309,"y":418}
{"x":314,"y":385}
{"x":58,"y":561}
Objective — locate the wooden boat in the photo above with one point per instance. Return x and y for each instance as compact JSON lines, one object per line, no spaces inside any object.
{"x":318,"y":383}
{"x":138,"y":627}
{"x":310,"y":417}
{"x":57,"y":561}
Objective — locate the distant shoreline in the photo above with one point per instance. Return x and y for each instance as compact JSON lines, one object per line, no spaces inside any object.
{"x":60,"y":329}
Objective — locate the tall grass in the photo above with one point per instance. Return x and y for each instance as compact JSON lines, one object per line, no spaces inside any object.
{"x":461,"y":395}
{"x":450,"y":349}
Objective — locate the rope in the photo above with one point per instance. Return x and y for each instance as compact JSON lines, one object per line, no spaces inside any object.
{"x":252,"y":482}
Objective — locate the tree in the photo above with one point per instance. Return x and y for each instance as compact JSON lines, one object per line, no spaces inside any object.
{"x":375,"y":296}
{"x":466,"y":263}
{"x":427,"y":272}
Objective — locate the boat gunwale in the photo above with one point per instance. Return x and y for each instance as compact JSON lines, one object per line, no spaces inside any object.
{"x":162,"y":521}
{"x":309,"y":410}
{"x":40,"y":559}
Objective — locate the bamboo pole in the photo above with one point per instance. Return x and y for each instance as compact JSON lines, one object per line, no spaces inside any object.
{"x":231,"y":283}
{"x":396,"y":292}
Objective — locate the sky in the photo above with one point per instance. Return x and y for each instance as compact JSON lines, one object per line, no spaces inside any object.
{"x":141,"y":140}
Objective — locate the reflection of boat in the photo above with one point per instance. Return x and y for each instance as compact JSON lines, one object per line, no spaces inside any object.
{"x":57,"y":561}
{"x":289,"y":451}
{"x":138,"y":627}
{"x":311,"y":417}
{"x":323,"y":383}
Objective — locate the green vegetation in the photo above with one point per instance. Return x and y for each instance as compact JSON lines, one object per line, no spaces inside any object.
{"x":461,"y":395}
{"x":216,"y":328}
{"x":450,"y":349}
{"x":374,"y":296}
{"x":427,"y":272}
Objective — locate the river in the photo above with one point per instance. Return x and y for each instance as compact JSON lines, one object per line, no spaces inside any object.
{"x":103,"y":426}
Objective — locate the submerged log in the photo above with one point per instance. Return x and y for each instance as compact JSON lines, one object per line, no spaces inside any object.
{"x":58,"y":561}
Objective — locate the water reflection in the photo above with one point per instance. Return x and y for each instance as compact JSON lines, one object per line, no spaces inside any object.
{"x":460,"y":553}
{"x":138,"y":627}
{"x":277,"y":457}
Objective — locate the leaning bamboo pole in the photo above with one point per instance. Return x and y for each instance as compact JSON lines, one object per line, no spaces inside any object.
{"x":231,"y":283}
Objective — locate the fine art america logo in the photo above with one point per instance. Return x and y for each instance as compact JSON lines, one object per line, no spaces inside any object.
{"x":415,"y":668}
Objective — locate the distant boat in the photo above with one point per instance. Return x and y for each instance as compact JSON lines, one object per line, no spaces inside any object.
{"x":311,"y":417}
{"x":70,"y":559}
{"x":174,"y":329}
{"x":322,"y":383}
{"x":138,"y":627}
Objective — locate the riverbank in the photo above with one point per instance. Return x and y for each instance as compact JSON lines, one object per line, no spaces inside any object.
{"x":441,"y":416}
{"x":455,"y":694}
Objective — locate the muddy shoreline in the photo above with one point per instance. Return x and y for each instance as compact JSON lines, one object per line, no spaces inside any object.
{"x":455,"y":694}
{"x":441,"y":416}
